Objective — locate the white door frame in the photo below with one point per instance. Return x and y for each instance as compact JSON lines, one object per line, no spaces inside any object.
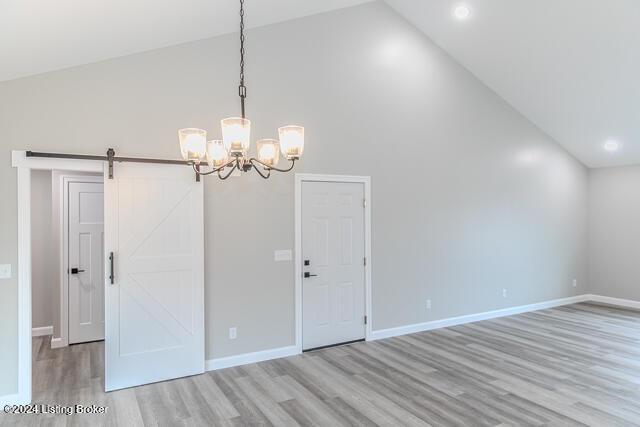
{"x":65,"y":179}
{"x":24,"y":166}
{"x":307,"y":177}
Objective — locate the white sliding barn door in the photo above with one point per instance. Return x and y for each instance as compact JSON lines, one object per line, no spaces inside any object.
{"x":85,"y":263}
{"x":333,"y":250}
{"x":155,"y":305}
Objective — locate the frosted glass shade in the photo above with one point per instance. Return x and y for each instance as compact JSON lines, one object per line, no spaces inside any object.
{"x":236,"y":135}
{"x":217,"y":155}
{"x":291,"y":141}
{"x":268,"y":152}
{"x":193,"y":144}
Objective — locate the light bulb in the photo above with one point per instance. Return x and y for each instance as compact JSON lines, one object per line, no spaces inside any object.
{"x":611,"y":145}
{"x":268,"y":151}
{"x":461,"y":12}
{"x":291,"y":141}
{"x":217,"y":155}
{"x":193,"y":144}
{"x":236,"y":135}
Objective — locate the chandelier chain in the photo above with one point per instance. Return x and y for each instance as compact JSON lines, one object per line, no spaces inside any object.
{"x":226,"y":156}
{"x":242,"y":90}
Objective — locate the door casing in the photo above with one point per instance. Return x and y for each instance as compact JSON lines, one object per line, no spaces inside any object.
{"x":24,"y":165}
{"x":299,"y":179}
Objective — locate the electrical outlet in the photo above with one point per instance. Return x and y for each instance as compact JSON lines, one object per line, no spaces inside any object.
{"x":575,"y":283}
{"x":428,"y":304}
{"x":504,"y":293}
{"x":233,"y":333}
{"x":5,"y":271}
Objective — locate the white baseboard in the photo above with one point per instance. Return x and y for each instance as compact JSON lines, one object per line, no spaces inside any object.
{"x":57,"y":343}
{"x":460,"y":320}
{"x":244,"y":359}
{"x":11,"y":399}
{"x":276,"y":353}
{"x":41,"y":331}
{"x":615,"y":301}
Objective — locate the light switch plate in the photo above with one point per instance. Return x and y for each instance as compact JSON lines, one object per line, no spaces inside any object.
{"x":283,"y":255}
{"x":5,"y":271}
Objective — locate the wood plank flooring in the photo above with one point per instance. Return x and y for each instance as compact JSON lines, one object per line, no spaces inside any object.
{"x":572,"y":365}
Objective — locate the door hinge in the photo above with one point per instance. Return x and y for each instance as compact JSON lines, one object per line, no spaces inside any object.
{"x":365,"y":261}
{"x":364,"y":203}
{"x":365,"y":320}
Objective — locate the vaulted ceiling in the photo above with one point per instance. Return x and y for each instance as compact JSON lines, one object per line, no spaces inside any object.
{"x":37,"y":36}
{"x":569,"y":66}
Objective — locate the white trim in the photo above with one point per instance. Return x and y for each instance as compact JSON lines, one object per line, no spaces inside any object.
{"x":24,"y":165}
{"x":63,"y":191}
{"x":460,"y":320}
{"x":11,"y":399}
{"x":24,"y":285}
{"x":299,"y":179}
{"x":57,"y":343}
{"x":244,"y":359}
{"x":42,"y":331}
{"x":615,"y":301}
{"x":260,"y":356}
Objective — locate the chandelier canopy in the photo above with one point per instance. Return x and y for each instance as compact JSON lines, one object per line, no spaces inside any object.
{"x":225,"y":156}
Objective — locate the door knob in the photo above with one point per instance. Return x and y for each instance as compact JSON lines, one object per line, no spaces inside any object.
{"x":76,"y":271}
{"x":307,"y":275}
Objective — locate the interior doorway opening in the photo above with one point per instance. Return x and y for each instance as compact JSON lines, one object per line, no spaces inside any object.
{"x":67,"y":280}
{"x":67,"y":256}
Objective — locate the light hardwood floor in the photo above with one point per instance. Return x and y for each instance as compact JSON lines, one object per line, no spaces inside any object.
{"x":571,"y":365}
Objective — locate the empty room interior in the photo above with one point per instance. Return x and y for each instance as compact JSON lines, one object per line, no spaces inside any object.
{"x":320,"y":213}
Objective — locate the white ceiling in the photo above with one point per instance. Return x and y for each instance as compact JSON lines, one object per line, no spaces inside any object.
{"x":37,"y":36}
{"x":570,"y":66}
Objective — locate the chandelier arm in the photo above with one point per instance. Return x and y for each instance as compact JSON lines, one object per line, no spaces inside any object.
{"x":253,"y":159}
{"x":211,"y":171}
{"x":223,"y":177}
{"x":293,"y":163}
{"x":240,"y":161}
{"x":265,"y":176}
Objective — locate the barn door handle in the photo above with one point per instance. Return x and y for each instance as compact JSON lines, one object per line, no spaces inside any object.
{"x":111,"y":275}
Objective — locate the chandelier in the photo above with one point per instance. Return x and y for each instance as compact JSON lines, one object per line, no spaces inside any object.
{"x":231,"y":154}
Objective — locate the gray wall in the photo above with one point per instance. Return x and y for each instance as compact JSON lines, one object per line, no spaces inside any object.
{"x":614,"y":232}
{"x":468,"y":196}
{"x":43,"y":265}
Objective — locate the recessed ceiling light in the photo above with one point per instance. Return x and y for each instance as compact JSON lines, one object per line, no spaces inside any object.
{"x":611,"y":145}
{"x":461,"y":12}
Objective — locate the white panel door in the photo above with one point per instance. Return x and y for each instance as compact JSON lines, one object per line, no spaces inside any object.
{"x":85,"y":267}
{"x":155,"y":305}
{"x":333,"y":296}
